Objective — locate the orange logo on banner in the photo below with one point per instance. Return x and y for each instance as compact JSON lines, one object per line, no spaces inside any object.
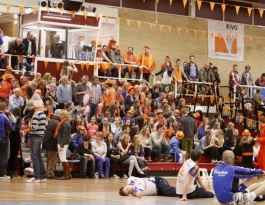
{"x":87,"y":66}
{"x":82,"y":66}
{"x":220,"y":45}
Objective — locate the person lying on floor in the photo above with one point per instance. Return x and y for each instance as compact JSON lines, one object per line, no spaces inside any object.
{"x":139,"y":187}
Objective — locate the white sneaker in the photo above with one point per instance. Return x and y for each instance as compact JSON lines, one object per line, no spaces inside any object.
{"x":247,"y":198}
{"x":115,"y":176}
{"x":237,"y":198}
{"x":125,"y":176}
{"x":33,"y":180}
{"x":7,"y":177}
{"x":43,"y":180}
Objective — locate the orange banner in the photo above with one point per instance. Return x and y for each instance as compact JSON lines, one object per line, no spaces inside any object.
{"x":118,"y":20}
{"x":223,"y":7}
{"x":203,"y":33}
{"x":128,"y":22}
{"x":21,"y":57}
{"x":58,"y":65}
{"x":233,"y":114}
{"x":219,"y":101}
{"x":85,"y":14}
{"x":194,"y":95}
{"x":45,"y":64}
{"x":225,"y":96}
{"x":179,"y":29}
{"x":161,"y":28}
{"x":169,"y":29}
{"x":107,"y":19}
{"x":237,"y":9}
{"x":94,"y":65}
{"x":195,"y":33}
{"x":21,"y":8}
{"x":8,"y":8}
{"x":241,"y":118}
{"x":203,"y":97}
{"x":212,"y":4}
{"x":250,"y":122}
{"x":73,"y":13}
{"x":185,"y":3}
{"x":199,"y":4}
{"x":82,"y":66}
{"x":261,"y":11}
{"x":249,"y":11}
{"x":34,"y":9}
{"x":97,"y":16}
{"x":187,"y":32}
{"x":139,"y":24}
{"x":211,"y":99}
{"x":87,"y":66}
{"x":187,"y":91}
{"x":170,"y":2}
{"x":150,"y":26}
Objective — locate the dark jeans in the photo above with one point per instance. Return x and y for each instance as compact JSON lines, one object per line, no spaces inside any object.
{"x":146,"y":76}
{"x":14,"y":148}
{"x":4,"y":145}
{"x":27,"y":63}
{"x":91,"y":163}
{"x":3,"y":63}
{"x":247,"y":161}
{"x":113,"y":164}
{"x":35,"y":153}
{"x":199,"y":193}
{"x":213,"y":152}
{"x":93,"y":110}
{"x":164,"y":188}
{"x":151,"y":153}
{"x":164,"y":149}
{"x":114,"y":71}
{"x":126,"y":70}
{"x":100,"y":163}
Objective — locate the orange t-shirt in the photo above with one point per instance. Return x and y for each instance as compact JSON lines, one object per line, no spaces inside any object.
{"x":111,"y":95}
{"x":120,"y":98}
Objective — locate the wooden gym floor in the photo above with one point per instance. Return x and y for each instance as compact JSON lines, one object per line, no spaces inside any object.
{"x":82,"y":192}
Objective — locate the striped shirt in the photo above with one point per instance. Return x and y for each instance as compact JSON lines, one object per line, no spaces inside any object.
{"x":96,"y":93}
{"x":39,"y":124}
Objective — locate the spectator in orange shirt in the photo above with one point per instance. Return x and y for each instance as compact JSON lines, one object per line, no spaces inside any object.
{"x":119,"y":96}
{"x":130,"y":59}
{"x":110,"y":97}
{"x":147,"y":60}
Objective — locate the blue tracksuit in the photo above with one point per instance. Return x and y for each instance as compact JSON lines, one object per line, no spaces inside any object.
{"x":226,"y":180}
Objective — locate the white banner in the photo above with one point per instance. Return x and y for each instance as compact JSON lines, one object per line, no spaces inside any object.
{"x":225,"y":40}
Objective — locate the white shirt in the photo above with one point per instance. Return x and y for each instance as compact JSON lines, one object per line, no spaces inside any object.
{"x":189,"y":167}
{"x":166,"y":79}
{"x":146,"y":186}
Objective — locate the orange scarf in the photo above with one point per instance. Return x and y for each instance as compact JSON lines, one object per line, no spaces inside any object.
{"x":58,"y":127}
{"x":49,"y":112}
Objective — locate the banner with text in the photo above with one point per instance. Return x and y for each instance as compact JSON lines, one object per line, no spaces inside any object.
{"x":225,"y":40}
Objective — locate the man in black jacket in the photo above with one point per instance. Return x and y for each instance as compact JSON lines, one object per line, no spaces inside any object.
{"x":16,"y":48}
{"x":50,"y":144}
{"x":30,"y":50}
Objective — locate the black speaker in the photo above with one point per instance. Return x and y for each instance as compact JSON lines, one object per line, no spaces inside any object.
{"x":70,"y":5}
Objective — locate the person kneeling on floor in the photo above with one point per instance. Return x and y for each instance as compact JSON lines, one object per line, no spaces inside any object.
{"x":187,"y":176}
{"x":148,"y":187}
{"x":226,"y":182}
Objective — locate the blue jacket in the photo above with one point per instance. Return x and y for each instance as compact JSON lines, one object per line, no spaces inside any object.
{"x":174,"y":147}
{"x":4,"y":121}
{"x":77,"y":139}
{"x":226,"y":180}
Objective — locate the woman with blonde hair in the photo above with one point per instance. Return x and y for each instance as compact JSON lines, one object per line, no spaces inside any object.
{"x":37,"y":79}
{"x":138,"y":151}
{"x":68,"y":69}
{"x":63,"y":135}
{"x":47,"y":78}
{"x":125,"y":146}
{"x":147,"y":143}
